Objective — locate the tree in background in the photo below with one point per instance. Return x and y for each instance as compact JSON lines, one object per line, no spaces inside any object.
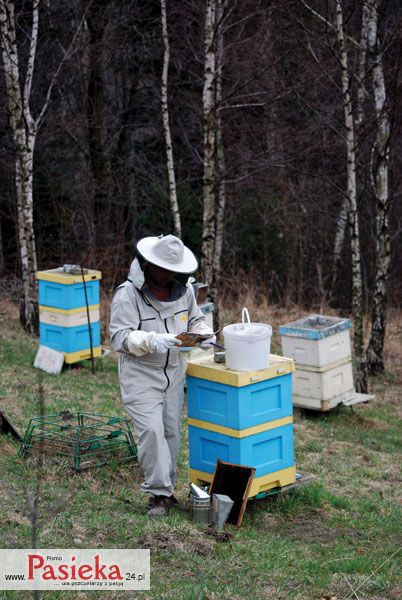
{"x":353,"y":216}
{"x":276,"y":150}
{"x":209,"y":125}
{"x":174,"y":207}
{"x":380,"y":176}
{"x":214,"y":173}
{"x":24,"y":127}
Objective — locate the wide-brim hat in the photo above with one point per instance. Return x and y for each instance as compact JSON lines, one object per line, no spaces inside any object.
{"x":168,"y":252}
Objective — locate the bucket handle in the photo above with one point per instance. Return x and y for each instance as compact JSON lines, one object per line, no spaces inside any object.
{"x":245,"y":315}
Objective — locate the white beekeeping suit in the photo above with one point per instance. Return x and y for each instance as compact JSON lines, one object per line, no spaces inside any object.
{"x":151,"y":366}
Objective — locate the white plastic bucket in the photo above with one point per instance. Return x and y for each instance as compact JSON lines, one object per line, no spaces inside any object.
{"x":247,"y":344}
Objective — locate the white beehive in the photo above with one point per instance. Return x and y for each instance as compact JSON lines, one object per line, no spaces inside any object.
{"x":68,"y":318}
{"x":323,"y":384}
{"x":316,"y":340}
{"x":320,"y":347}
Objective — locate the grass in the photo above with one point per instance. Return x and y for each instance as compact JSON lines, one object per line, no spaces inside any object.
{"x":339,"y":534}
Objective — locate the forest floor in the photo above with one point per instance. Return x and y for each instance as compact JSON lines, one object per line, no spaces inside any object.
{"x":337,"y":538}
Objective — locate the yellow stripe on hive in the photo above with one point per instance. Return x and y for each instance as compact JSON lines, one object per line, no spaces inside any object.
{"x":70,"y":311}
{"x":260,"y":484}
{"x":72,"y":357}
{"x":239,"y":433}
{"x":57,"y":276}
{"x":207,"y":368}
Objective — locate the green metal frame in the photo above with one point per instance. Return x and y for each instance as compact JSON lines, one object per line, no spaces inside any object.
{"x":83,"y":439}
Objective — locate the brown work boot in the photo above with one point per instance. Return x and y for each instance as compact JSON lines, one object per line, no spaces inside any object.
{"x":151,"y":500}
{"x":160,"y":506}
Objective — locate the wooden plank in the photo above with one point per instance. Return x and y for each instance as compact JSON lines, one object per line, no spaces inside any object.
{"x":7,"y":427}
{"x":355,"y":398}
{"x":207,"y":368}
{"x":347,"y":399}
{"x":233,"y":481}
{"x":302,"y":480}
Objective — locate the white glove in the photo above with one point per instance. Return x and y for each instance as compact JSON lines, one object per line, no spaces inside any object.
{"x":141,"y":343}
{"x":164,"y":341}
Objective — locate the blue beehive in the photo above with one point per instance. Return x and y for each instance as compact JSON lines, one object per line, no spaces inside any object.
{"x":243,"y":418}
{"x":69,"y":339}
{"x":63,"y":313}
{"x":268,"y":451}
{"x":66,"y":291}
{"x":239,"y":407}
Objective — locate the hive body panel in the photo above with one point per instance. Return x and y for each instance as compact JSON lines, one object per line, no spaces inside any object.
{"x":267,"y":452}
{"x":317,"y":353}
{"x":69,"y":339}
{"x":325,"y":385}
{"x":239,"y":407}
{"x":68,"y":318}
{"x":71,"y":296}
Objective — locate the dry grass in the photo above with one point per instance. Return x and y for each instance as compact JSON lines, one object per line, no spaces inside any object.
{"x":318,"y":543}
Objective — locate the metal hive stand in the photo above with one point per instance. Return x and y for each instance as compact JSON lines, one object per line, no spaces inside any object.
{"x":84,"y":440}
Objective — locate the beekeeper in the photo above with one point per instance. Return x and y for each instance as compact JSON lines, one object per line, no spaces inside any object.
{"x":154,"y":305}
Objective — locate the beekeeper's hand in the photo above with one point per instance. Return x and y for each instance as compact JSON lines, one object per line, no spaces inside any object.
{"x":140,"y":343}
{"x":165,"y":341}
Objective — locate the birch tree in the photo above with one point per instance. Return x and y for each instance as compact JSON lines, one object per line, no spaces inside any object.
{"x":220,"y":169}
{"x":358,"y":333}
{"x":209,"y":121}
{"x":174,"y":207}
{"x":24,"y":128}
{"x":380,"y":167}
{"x":358,"y":115}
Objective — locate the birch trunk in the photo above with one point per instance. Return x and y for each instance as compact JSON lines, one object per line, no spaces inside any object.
{"x":361,"y":370}
{"x":23,"y":131}
{"x":342,"y":220}
{"x":361,"y":88}
{"x":208,"y":98}
{"x":380,"y":163}
{"x":220,"y":170}
{"x":174,"y":206}
{"x":340,"y":229}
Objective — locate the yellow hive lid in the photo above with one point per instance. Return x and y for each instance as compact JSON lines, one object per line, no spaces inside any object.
{"x":207,"y":368}
{"x":57,"y":276}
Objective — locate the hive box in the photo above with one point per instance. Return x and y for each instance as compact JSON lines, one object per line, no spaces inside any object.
{"x":66,"y":291}
{"x":323,"y":383}
{"x":239,"y":407}
{"x":267,"y":451}
{"x":69,"y":339}
{"x":316,"y":340}
{"x":68,"y":318}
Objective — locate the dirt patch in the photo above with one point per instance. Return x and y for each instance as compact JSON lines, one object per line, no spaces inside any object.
{"x":309,"y":529}
{"x":188,"y":542}
{"x":344,"y":586}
